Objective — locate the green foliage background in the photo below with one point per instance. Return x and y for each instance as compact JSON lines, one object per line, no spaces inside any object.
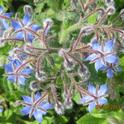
{"x":64,"y":30}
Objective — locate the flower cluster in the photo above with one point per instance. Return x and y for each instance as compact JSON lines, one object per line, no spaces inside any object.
{"x":104,"y":56}
{"x":16,"y":72}
{"x":95,"y":96}
{"x":62,"y":68}
{"x":36,"y":106}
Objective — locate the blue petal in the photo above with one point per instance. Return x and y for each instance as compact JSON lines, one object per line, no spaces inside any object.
{"x":16,"y":25}
{"x":102,"y":101}
{"x":26,"y":19}
{"x":27,"y":99}
{"x":1,"y":110}
{"x":111,"y":59}
{"x":91,"y":57}
{"x":19,"y":35}
{"x":38,"y":115}
{"x":110,"y":73}
{"x":21,"y":80}
{"x":91,"y":89}
{"x":26,"y":71}
{"x":8,"y":14}
{"x":102,"y":90}
{"x":1,"y":9}
{"x":29,"y":37}
{"x":35,"y":27}
{"x":98,"y":65}
{"x":12,"y":78}
{"x":5,"y":24}
{"x":16,"y":63}
{"x":108,"y":46}
{"x":91,"y":106}
{"x":8,"y":68}
{"x":47,"y":106}
{"x":86,"y":99}
{"x":25,"y":110}
{"x":96,"y":46}
{"x":37,"y":96}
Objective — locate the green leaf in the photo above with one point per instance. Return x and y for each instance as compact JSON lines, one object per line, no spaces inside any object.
{"x":88,"y":119}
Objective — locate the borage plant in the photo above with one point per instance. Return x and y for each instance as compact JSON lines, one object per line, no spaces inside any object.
{"x":62,"y":73}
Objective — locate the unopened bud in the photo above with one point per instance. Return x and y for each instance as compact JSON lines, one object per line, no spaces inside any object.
{"x":87,"y":30}
{"x":122,"y":14}
{"x":69,"y":64}
{"x":28,"y":9}
{"x":34,"y":86}
{"x":109,"y":2}
{"x":47,"y":24}
{"x":84,"y":73}
{"x":41,"y":76}
{"x":111,"y":10}
{"x":59,"y":108}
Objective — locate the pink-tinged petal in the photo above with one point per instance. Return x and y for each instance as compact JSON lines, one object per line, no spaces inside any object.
{"x":38,"y":115}
{"x":92,"y":89}
{"x":25,"y":110}
{"x":27,"y":99}
{"x":102,"y":101}
{"x":103,"y":89}
{"x":91,"y":106}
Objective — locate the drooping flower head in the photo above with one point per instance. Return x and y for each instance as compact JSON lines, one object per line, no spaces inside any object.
{"x":95,"y":96}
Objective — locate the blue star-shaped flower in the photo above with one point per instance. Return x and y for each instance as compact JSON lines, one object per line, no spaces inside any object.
{"x":35,"y":106}
{"x":103,"y":54}
{"x":15,"y":74}
{"x":95,"y":96}
{"x":21,"y":26}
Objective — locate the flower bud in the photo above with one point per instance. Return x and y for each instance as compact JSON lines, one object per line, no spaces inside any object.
{"x":47,"y":24}
{"x":59,"y":108}
{"x":122,"y":14}
{"x":34,"y":86}
{"x":84,"y":73}
{"x":68,"y":103}
{"x":69,"y":64}
{"x":87,"y":30}
{"x":109,"y":2}
{"x":41,"y":76}
{"x":111,"y":10}
{"x":61,"y":52}
{"x":28,"y":9}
